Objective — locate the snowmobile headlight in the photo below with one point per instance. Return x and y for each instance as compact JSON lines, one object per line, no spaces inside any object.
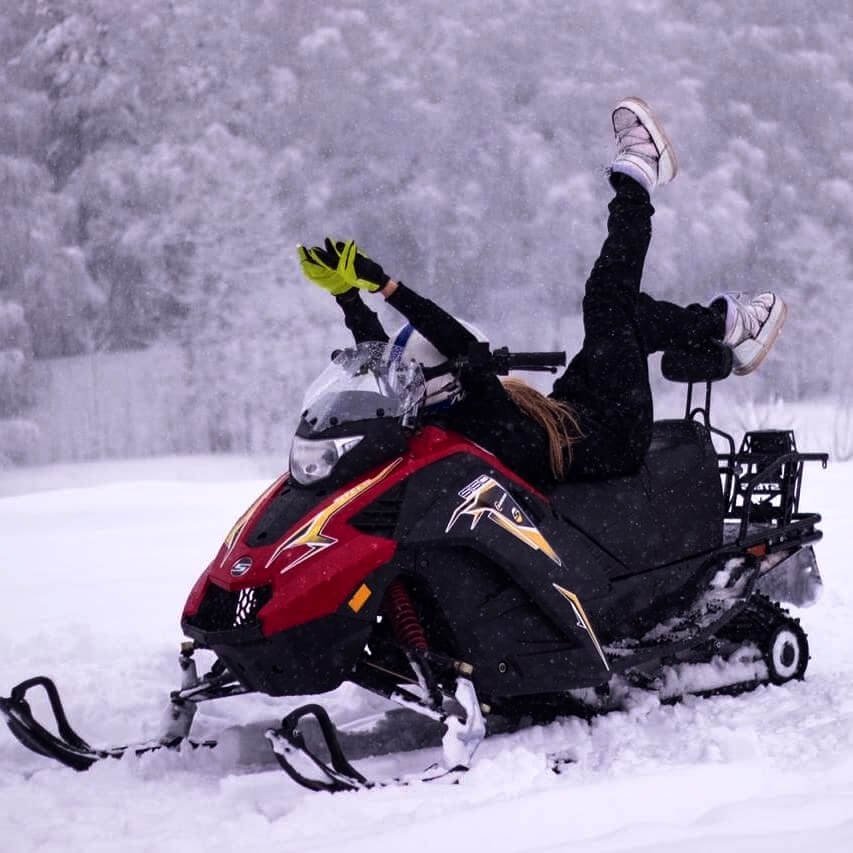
{"x":313,"y":459}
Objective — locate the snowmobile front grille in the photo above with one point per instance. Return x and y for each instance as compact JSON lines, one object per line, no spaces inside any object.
{"x":247,"y":607}
{"x":222,"y":610}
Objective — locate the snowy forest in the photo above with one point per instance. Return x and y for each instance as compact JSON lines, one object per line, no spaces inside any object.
{"x":161,"y":159}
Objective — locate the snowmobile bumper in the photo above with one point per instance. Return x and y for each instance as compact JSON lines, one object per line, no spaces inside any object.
{"x":308,"y":659}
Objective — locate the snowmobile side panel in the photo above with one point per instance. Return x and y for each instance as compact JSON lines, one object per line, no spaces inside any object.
{"x":515,"y":649}
{"x":462,"y":502}
{"x":491,"y":555}
{"x":638,"y":602}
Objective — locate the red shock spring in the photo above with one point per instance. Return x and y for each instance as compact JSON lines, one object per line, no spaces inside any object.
{"x":404,"y":618}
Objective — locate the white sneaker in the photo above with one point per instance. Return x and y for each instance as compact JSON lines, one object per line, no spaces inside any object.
{"x":643,"y":150}
{"x":752,"y":325}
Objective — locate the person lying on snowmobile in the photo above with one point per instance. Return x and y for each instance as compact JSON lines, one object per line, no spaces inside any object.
{"x":597,"y":421}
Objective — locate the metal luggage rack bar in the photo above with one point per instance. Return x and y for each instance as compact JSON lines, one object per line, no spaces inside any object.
{"x":761,"y":482}
{"x":762,"y":487}
{"x":800,"y":531}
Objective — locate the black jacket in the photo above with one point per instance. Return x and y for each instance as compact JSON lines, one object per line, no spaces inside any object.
{"x":486,"y":415}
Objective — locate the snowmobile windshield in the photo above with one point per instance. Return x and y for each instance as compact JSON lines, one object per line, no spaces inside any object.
{"x":371,"y":380}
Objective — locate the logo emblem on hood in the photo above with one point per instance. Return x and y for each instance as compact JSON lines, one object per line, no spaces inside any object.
{"x":486,"y":498}
{"x":241,"y":567}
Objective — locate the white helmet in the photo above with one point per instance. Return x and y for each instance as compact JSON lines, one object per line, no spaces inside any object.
{"x":441,"y":391}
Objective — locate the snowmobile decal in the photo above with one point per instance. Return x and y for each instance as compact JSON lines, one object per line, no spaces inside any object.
{"x":239,"y":525}
{"x":583,"y":620}
{"x":486,"y":497}
{"x":310,"y":535}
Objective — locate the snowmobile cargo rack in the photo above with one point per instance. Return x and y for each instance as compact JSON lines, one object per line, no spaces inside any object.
{"x":761,"y":480}
{"x":764,"y":480}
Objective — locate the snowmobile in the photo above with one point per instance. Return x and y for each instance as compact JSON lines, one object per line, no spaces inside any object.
{"x":402,"y":557}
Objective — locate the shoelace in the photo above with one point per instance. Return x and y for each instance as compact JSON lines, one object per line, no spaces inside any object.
{"x":753,"y":315}
{"x":633,"y":138}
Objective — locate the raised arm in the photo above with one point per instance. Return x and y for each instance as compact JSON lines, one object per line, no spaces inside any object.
{"x":360,"y":320}
{"x":441,"y":329}
{"x":342,"y":269}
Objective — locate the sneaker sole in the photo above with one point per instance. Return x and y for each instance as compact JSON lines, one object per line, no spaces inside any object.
{"x":662,"y":142}
{"x":779,"y":321}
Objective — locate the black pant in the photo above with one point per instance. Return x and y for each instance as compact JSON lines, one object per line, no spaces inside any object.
{"x":607,"y":383}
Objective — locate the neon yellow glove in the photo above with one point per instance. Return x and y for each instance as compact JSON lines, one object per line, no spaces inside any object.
{"x":352,"y":266}
{"x":319,"y":273}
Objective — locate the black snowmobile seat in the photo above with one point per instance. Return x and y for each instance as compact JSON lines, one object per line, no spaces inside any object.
{"x":672,"y":509}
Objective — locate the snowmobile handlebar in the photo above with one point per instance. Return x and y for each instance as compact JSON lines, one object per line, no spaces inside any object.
{"x":538,"y":361}
{"x":482,"y":359}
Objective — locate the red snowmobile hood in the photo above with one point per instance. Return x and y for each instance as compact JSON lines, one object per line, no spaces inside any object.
{"x":309,"y":564}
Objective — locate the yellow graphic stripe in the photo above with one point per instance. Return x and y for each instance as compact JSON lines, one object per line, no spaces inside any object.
{"x":583,"y":620}
{"x":477,"y":507}
{"x":311,"y":533}
{"x":237,"y":529}
{"x":531,"y":536}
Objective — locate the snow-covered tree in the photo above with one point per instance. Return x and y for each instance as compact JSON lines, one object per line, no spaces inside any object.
{"x":159,"y":160}
{"x":18,"y":435}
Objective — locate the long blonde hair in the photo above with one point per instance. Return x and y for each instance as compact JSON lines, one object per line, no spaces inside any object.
{"x":554,"y":416}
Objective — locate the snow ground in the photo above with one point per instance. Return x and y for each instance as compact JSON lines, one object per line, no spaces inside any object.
{"x":96,"y":563}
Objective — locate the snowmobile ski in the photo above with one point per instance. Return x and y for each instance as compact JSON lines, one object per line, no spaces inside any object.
{"x":67,"y":747}
{"x":288,"y":743}
{"x":306,"y":768}
{"x":70,"y":749}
